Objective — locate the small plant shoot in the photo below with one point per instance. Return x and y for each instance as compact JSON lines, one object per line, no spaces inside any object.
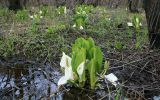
{"x":61,"y":10}
{"x":136,"y":21}
{"x":81,"y":16}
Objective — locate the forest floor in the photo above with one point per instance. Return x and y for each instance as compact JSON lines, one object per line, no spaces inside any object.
{"x":42,"y":40}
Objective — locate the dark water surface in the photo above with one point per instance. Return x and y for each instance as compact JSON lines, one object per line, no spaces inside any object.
{"x":25,"y":81}
{"x":28,"y":82}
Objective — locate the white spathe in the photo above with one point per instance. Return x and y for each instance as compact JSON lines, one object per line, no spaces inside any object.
{"x":65,"y":10}
{"x":62,"y":81}
{"x":68,"y":73}
{"x":74,"y":25}
{"x":130,"y":24}
{"x":68,"y":76}
{"x":140,"y":24}
{"x":80,"y":69}
{"x":41,"y":17}
{"x":31,"y":17}
{"x":40,"y":12}
{"x":65,"y":61}
{"x":112,"y":78}
{"x":81,"y":27}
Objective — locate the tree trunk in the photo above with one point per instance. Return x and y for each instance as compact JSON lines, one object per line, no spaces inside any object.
{"x":14,"y":4}
{"x":152,"y":9}
{"x":133,"y":5}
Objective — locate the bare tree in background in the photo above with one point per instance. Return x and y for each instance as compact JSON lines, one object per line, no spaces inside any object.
{"x":152,"y":9}
{"x":69,"y":3}
{"x":14,"y":4}
{"x":133,"y":5}
{"x":18,"y":4}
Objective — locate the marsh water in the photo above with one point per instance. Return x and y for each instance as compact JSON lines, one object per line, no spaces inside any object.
{"x":31,"y":81}
{"x":26,"y":81}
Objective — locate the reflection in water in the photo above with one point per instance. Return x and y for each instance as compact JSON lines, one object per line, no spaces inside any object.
{"x":28,"y":83}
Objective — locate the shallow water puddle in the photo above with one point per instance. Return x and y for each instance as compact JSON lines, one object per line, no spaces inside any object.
{"x":28,"y":82}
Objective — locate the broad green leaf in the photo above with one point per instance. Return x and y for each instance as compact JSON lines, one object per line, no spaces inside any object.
{"x":77,"y":45}
{"x":78,"y":57}
{"x":98,"y":56}
{"x":92,"y":72}
{"x":91,"y":42}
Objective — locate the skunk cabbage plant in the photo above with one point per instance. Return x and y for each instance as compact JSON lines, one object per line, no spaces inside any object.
{"x":85,"y":64}
{"x":136,"y":20}
{"x":81,"y":15}
{"x":61,"y":10}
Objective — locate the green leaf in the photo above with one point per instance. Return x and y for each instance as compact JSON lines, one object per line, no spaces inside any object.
{"x":91,"y":42}
{"x":77,"y":45}
{"x":91,"y":45}
{"x":98,"y":56}
{"x":92,"y":72}
{"x":78,"y":56}
{"x":84,"y":50}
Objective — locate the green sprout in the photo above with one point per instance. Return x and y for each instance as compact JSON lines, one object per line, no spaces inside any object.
{"x":61,"y":10}
{"x":80,"y":21}
{"x":36,"y":17}
{"x":136,"y":22}
{"x":21,"y":15}
{"x":81,"y":16}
